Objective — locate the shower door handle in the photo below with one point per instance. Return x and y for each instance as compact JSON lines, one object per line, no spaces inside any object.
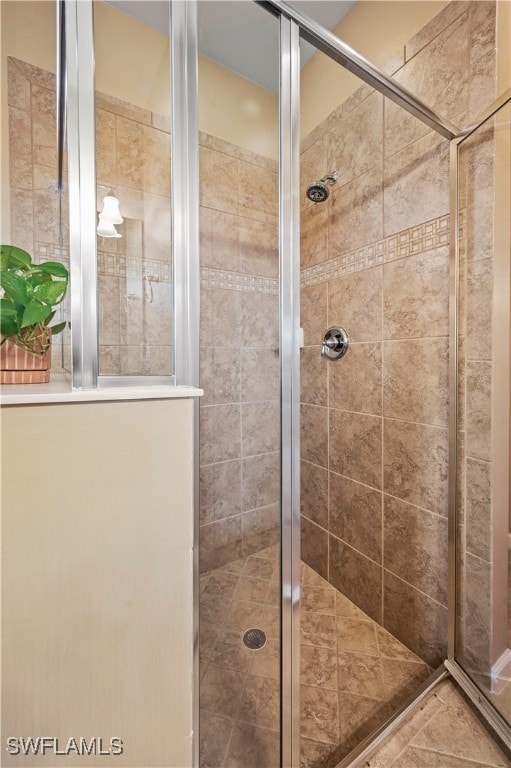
{"x":335,"y":343}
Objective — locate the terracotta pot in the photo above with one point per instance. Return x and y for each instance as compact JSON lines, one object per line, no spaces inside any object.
{"x":17,"y":366}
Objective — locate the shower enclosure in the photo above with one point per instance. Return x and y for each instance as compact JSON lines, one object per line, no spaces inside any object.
{"x":331,"y":293}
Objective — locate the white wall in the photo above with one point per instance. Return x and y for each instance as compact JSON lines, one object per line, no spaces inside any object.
{"x":97,"y":519}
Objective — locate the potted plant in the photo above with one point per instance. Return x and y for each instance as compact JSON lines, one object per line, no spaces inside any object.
{"x":29,"y":295}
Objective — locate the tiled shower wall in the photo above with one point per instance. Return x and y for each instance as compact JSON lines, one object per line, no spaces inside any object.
{"x":35,"y":205}
{"x":239,"y":459}
{"x":132,"y":159}
{"x":375,"y":261}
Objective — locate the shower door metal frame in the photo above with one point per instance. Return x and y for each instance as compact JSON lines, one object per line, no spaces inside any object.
{"x":289,"y":336}
{"x":77,"y":115}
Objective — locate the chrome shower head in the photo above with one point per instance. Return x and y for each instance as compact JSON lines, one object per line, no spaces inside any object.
{"x":318,"y":191}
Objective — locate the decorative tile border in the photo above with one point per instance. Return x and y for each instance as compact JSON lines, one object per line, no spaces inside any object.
{"x":238,"y":281}
{"x":50,"y":251}
{"x":120,"y":265}
{"x":419,"y":239}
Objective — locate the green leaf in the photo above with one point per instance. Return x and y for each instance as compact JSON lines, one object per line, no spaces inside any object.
{"x":58,"y":328}
{"x":54,"y":268}
{"x":14,"y":257}
{"x":7,"y":308}
{"x":19,"y":258}
{"x":35,"y":312}
{"x":51,"y":293}
{"x":8,"y":326}
{"x":14,"y":286}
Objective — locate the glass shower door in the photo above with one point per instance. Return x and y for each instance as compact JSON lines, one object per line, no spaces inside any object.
{"x":239,"y":531}
{"x":483,"y":640}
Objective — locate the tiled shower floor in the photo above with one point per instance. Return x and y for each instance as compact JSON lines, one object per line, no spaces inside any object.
{"x":353,"y":672}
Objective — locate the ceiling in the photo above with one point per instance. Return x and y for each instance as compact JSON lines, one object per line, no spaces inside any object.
{"x":238,"y":34}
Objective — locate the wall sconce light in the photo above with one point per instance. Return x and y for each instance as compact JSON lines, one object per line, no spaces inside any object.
{"x":109,"y":216}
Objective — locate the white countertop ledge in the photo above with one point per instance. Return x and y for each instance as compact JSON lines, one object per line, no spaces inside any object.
{"x":60,"y":391}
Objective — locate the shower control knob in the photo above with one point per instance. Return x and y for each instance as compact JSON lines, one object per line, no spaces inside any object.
{"x":335,"y":343}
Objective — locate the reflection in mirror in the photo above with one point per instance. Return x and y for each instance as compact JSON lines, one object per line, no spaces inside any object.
{"x":135,"y":290}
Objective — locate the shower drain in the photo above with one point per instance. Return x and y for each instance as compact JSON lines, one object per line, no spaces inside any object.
{"x":254,"y":639}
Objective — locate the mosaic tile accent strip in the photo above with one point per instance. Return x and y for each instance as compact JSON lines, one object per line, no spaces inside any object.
{"x":238,"y":281}
{"x":419,"y":239}
{"x":50,"y":251}
{"x":120,"y":265}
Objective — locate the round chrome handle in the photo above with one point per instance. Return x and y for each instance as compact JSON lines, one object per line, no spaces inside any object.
{"x":335,"y":343}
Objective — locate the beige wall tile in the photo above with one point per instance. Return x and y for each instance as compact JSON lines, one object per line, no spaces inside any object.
{"x":356,"y":213}
{"x":219,"y":239}
{"x":415,"y":619}
{"x":258,"y":248}
{"x":260,"y":428}
{"x":106,"y":170}
{"x":259,"y":320}
{"x":355,"y":446}
{"x":219,"y":375}
{"x":482,"y":29}
{"x":123,"y":108}
{"x":416,"y":184}
{"x":416,"y":464}
{"x":44,"y":130}
{"x":483,"y":85}
{"x":314,"y":434}
{"x":260,"y":481}
{"x":156,"y":161}
{"x":314,"y":222}
{"x":157,"y":229}
{"x":415,"y":382}
{"x":478,"y":508}
{"x":218,"y":180}
{"x":130,"y":153}
{"x":478,"y":585}
{"x":354,"y":302}
{"x":436,"y":26}
{"x":146,"y":360}
{"x":415,"y":547}
{"x":22,"y":219}
{"x":346,"y":152}
{"x":313,"y":376}
{"x":405,"y":284}
{"x":47,"y":220}
{"x":258,"y":193}
{"x":220,"y":432}
{"x":439,"y":76}
{"x":259,"y":374}
{"x":478,"y":413}
{"x":18,"y":87}
{"x":313,"y":309}
{"x":355,"y":381}
{"x":314,"y":493}
{"x":220,"y":317}
{"x":220,"y":543}
{"x":220,"y":491}
{"x":357,"y":577}
{"x":260,"y":528}
{"x":20,"y":148}
{"x":108,"y":299}
{"x":479,"y":306}
{"x":314,"y":547}
{"x":355,"y":515}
